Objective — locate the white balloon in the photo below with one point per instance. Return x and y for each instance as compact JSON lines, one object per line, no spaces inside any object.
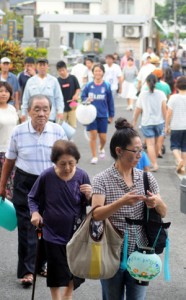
{"x":86,"y":114}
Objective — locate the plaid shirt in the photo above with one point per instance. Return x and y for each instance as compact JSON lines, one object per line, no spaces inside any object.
{"x":111,"y":184}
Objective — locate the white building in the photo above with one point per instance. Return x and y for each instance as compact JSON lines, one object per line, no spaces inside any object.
{"x":81,"y":19}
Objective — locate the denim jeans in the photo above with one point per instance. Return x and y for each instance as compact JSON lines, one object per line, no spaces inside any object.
{"x":115,"y":287}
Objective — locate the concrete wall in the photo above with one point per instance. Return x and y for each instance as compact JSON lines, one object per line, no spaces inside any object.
{"x":123,"y":43}
{"x":109,"y":7}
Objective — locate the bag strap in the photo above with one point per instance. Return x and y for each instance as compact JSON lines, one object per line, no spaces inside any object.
{"x":146,"y":182}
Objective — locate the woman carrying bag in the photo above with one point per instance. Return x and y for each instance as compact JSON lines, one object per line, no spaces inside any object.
{"x":119,"y":190}
{"x":62,"y":193}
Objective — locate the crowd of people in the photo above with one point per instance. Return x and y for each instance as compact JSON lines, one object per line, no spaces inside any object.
{"x":38,"y":164}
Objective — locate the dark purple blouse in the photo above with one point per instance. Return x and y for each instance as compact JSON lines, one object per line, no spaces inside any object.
{"x":61,"y":203}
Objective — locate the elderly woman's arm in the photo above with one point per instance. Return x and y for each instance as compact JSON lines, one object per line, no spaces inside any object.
{"x":105,"y":211}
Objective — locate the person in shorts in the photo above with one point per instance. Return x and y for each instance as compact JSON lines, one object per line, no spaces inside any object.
{"x":151,"y":104}
{"x":176,"y":122}
{"x":99,"y":93}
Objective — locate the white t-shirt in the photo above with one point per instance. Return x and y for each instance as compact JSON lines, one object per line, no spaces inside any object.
{"x":177,"y":103}
{"x":80,"y":71}
{"x":151,"y":105}
{"x":144,"y":72}
{"x":8,"y":120}
{"x":111,"y":75}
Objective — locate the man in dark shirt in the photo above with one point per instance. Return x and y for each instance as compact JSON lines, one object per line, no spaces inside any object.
{"x":29,"y":71}
{"x":71,"y":90}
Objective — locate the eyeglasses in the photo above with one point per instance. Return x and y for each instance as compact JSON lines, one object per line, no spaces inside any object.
{"x":135,"y":151}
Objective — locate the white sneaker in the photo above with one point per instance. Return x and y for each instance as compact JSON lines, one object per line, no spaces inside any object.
{"x":102,"y":153}
{"x":94,"y":160}
{"x":130,"y":107}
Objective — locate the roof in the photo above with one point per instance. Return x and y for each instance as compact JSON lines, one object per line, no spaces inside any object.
{"x":101,"y":19}
{"x":18,"y":2}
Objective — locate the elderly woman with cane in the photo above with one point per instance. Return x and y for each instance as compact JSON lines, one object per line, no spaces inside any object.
{"x":63,"y":192}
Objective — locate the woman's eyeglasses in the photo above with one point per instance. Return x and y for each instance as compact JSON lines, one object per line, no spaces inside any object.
{"x":135,"y":151}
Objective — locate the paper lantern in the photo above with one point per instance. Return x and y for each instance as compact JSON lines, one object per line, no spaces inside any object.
{"x":86,"y":114}
{"x":8,"y":219}
{"x":144,"y":265}
{"x":68,"y":129}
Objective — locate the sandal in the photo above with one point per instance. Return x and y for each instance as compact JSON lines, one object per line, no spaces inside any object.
{"x":43,"y":271}
{"x":180,"y":168}
{"x":27,"y":280}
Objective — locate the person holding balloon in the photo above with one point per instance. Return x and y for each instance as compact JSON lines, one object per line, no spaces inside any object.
{"x":98,"y":93}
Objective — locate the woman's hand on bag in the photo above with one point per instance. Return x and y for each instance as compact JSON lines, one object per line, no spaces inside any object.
{"x":86,"y":189}
{"x":36,"y":219}
{"x":132,"y":198}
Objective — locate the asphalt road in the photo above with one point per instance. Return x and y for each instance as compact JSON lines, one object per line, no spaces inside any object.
{"x":169,"y":182}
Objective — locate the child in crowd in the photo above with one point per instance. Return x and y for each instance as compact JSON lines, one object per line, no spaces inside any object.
{"x":70,"y":89}
{"x":144,"y":162}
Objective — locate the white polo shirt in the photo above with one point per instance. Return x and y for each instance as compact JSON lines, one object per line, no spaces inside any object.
{"x":32,"y":150}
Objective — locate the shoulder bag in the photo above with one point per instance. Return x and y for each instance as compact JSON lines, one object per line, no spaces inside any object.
{"x":91,"y":257}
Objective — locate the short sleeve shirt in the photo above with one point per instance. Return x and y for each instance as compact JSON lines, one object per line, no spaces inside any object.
{"x":110,"y":184}
{"x":68,"y":87}
{"x":177,"y":103}
{"x":112,"y":74}
{"x":32,"y":150}
{"x":151,"y":105}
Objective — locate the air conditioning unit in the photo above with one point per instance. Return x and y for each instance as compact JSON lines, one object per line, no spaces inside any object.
{"x":132,"y":31}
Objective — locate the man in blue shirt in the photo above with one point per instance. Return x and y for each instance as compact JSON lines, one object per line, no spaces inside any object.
{"x":45,"y":84}
{"x":11,"y":79}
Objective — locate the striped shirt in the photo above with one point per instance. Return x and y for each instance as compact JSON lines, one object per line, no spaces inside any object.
{"x":111,"y":184}
{"x":32,"y":150}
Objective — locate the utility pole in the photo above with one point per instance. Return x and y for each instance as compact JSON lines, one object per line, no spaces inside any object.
{"x":176,"y":33}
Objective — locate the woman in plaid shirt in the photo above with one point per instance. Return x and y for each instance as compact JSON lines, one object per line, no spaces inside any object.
{"x":119,"y":191}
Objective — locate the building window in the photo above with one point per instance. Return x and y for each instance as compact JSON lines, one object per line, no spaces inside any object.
{"x":126,"y":7}
{"x":78,"y":7}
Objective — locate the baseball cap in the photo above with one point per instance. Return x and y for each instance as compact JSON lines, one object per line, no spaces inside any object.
{"x":158,"y":73}
{"x":5,"y":60}
{"x":42,"y":59}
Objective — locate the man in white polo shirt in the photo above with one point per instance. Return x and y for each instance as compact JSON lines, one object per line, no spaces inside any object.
{"x":29,"y":151}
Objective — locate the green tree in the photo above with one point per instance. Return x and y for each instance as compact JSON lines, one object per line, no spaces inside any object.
{"x":11,"y":15}
{"x":166,"y":12}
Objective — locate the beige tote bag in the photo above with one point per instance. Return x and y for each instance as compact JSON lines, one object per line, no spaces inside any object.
{"x":89,"y":258}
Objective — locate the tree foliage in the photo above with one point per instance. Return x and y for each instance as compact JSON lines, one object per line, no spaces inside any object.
{"x":13,"y":51}
{"x":166,"y":12}
{"x":11,"y":15}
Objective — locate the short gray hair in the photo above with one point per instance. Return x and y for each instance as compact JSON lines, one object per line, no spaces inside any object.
{"x":39,"y":97}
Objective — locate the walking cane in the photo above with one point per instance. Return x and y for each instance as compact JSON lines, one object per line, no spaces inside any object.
{"x":39,"y":235}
